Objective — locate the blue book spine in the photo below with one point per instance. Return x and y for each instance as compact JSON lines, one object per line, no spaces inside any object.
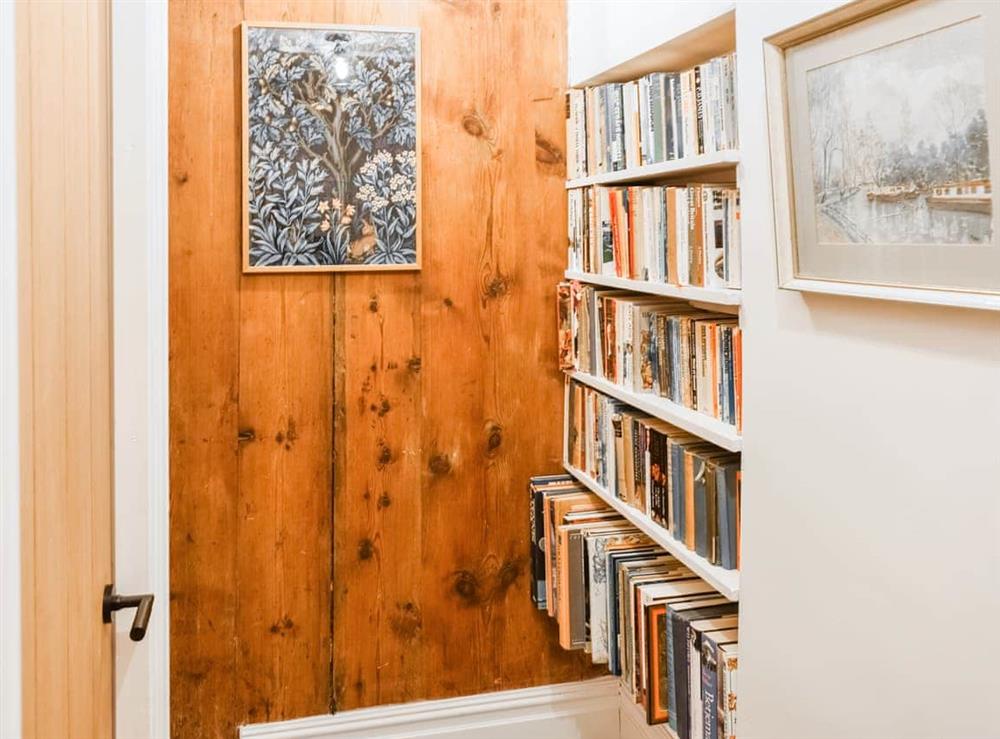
{"x":701,"y":544}
{"x":731,"y":514}
{"x":722,"y":510}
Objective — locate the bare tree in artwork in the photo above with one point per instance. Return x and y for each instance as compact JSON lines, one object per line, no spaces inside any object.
{"x":900,"y":150}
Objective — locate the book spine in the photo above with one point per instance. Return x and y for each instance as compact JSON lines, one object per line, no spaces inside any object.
{"x":672,"y":670}
{"x":699,"y":105}
{"x":738,"y":376}
{"x":663,"y":383}
{"x":537,"y":544}
{"x":676,"y":490}
{"x":722,"y":513}
{"x":665,"y":134}
{"x":700,"y":509}
{"x":644,"y":121}
{"x":694,"y":724}
{"x":677,"y":110}
{"x":732,"y":516}
{"x":709,"y":690}
{"x":730,"y":666}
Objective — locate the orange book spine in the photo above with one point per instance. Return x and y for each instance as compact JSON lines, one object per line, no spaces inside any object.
{"x":630,"y":208}
{"x":615,"y":241}
{"x":670,"y":193}
{"x":713,"y":366}
{"x":562,"y":614}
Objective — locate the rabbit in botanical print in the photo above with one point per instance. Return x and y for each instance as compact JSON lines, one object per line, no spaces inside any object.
{"x":364,"y":245}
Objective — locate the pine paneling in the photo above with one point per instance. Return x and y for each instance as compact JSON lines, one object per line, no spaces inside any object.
{"x":64,"y":269}
{"x":411,"y":406}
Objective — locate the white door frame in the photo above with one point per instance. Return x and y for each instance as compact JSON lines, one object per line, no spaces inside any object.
{"x":141,"y":341}
{"x":10,"y":483}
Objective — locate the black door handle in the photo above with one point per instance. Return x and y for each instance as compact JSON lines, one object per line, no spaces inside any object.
{"x":143,"y":605}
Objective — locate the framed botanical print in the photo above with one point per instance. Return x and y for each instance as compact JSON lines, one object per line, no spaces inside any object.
{"x":883,"y":124}
{"x":331,"y":148}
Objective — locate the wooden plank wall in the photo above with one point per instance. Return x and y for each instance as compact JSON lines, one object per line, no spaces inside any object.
{"x":64,"y":293}
{"x":349,"y":454}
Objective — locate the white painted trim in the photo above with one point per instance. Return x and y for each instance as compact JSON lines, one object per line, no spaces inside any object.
{"x":929,"y":296}
{"x":10,"y":481}
{"x":579,"y":710}
{"x":139,"y":172}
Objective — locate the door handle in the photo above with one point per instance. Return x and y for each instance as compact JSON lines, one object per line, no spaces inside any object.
{"x":143,"y":605}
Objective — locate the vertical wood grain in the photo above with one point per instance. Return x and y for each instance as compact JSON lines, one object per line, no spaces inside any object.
{"x":378,"y":633}
{"x":421,"y":402}
{"x":64,"y":129}
{"x":285,"y":476}
{"x":204,"y":303}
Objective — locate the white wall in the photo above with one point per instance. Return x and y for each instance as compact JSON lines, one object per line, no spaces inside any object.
{"x":603,"y":33}
{"x":871,"y":518}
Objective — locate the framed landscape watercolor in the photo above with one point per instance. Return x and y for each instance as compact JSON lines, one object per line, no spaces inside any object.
{"x":331,"y":148}
{"x":883,"y":125}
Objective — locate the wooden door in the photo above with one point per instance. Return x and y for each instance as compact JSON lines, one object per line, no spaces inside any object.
{"x":65,"y":356}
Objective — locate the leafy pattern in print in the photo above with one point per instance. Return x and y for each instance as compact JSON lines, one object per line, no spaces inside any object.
{"x":332,"y":147}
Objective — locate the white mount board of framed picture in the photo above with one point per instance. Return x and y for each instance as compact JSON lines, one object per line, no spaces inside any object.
{"x":881,"y":115}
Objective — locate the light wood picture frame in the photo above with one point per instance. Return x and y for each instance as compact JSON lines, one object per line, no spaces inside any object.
{"x":898,"y":204}
{"x":331,"y":148}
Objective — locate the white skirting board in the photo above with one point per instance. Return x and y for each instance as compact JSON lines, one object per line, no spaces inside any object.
{"x":580,"y":710}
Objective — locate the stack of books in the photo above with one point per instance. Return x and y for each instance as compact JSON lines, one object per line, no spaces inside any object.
{"x":647,"y":344}
{"x":678,"y":235}
{"x":687,"y":485}
{"x":659,"y":117}
{"x":635,"y":608}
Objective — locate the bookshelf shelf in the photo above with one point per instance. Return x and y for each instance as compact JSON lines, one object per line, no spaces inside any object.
{"x":634,"y":717}
{"x":727,"y":582}
{"x":662,"y":170}
{"x":714,"y":296}
{"x":709,"y":429}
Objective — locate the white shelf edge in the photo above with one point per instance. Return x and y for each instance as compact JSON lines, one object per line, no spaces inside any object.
{"x":716,"y":160}
{"x":709,"y":429}
{"x":673,"y":53}
{"x":727,"y":582}
{"x":718,"y":296}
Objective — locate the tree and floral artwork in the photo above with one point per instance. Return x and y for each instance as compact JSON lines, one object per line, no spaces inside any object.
{"x":331,"y":141}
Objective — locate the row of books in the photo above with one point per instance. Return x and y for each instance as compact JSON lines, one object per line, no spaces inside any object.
{"x":659,"y":117}
{"x":647,"y":344}
{"x":678,"y":235}
{"x":632,"y":606}
{"x":687,"y":485}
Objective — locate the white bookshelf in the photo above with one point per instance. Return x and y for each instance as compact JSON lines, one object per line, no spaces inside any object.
{"x":715,"y":296}
{"x":703,"y":163}
{"x":716,"y":36}
{"x":699,"y":424}
{"x":727,"y":582}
